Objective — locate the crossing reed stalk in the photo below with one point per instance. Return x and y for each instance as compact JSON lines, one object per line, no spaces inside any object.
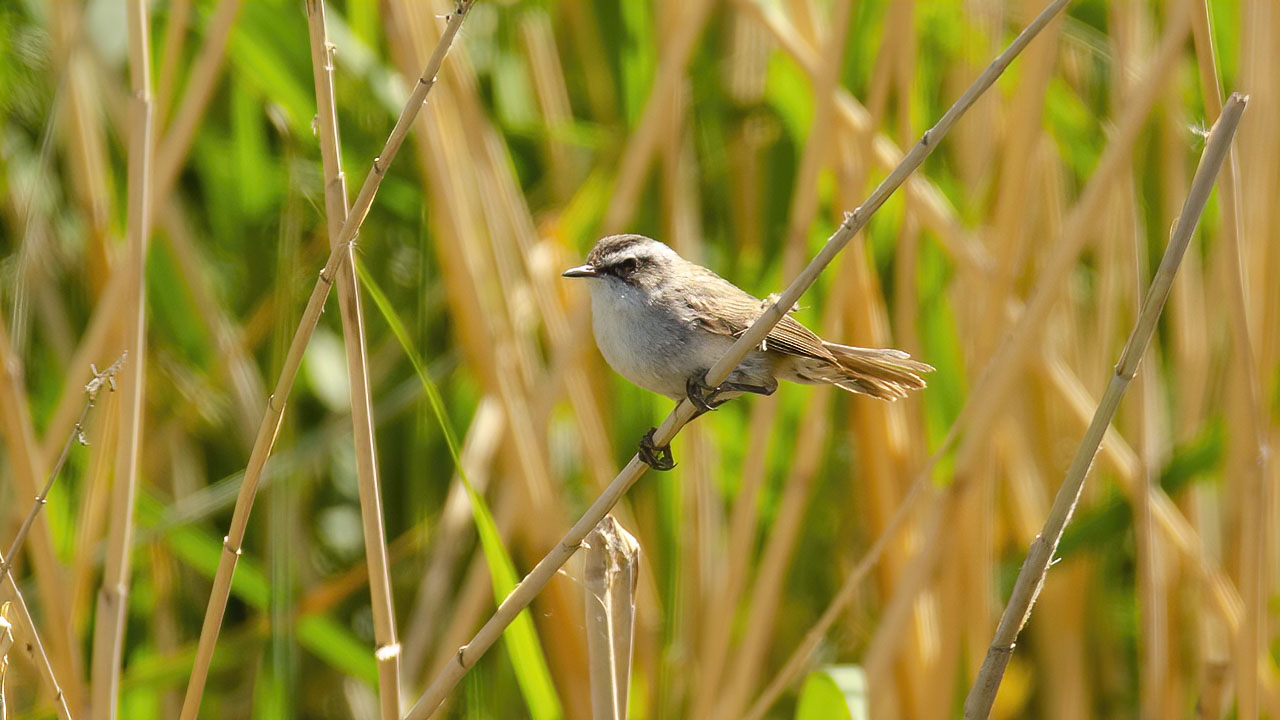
{"x":551,"y":563}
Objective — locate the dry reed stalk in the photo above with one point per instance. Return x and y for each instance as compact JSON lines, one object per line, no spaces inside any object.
{"x":479,"y":447}
{"x":1031,"y":577}
{"x":92,"y":346}
{"x":1130,"y":40}
{"x":1259,"y":53}
{"x":32,"y":643}
{"x":234,"y":360}
{"x":469,"y":205}
{"x":900,"y":629}
{"x":1189,"y":306}
{"x":611,"y":571}
{"x":1061,"y":647}
{"x":167,"y":163}
{"x":633,"y":167}
{"x":991,"y":389}
{"x":270,"y":423}
{"x":975,"y":143}
{"x":84,"y":131}
{"x":27,"y":469}
{"x":934,"y":209}
{"x":884,"y":433}
{"x":742,"y":675}
{"x":1124,"y":461}
{"x":91,"y":389}
{"x":770,"y":580}
{"x":539,"y":42}
{"x":740,"y":551}
{"x":1170,"y":519}
{"x":1011,"y":229}
{"x":6,"y":642}
{"x":175,"y":37}
{"x":92,"y":516}
{"x":513,"y":212}
{"x":472,"y":186}
{"x":549,"y":565}
{"x":885,"y":453}
{"x":474,"y":595}
{"x":387,"y":652}
{"x":113,"y":593}
{"x":818,"y":147}
{"x":1253,"y":641}
{"x":172,"y":148}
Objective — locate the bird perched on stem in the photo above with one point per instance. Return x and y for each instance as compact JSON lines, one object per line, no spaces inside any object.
{"x":662,"y":322}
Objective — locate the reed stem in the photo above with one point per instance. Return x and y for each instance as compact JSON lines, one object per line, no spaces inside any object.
{"x":977,"y":705}
{"x":551,"y":563}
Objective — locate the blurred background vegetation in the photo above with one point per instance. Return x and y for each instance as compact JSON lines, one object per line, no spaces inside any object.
{"x":738,"y":132}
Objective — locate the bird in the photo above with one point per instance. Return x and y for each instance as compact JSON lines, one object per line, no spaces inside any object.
{"x":662,"y":322}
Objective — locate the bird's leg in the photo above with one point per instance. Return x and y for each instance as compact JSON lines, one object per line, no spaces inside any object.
{"x":658,"y":458}
{"x":706,"y":398}
{"x":767,"y":389}
{"x":702,"y":396}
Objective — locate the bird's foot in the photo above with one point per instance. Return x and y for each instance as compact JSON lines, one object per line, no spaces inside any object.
{"x":704,"y":397}
{"x":658,"y":458}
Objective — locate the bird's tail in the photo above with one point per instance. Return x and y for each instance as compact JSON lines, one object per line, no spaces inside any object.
{"x":881,"y":373}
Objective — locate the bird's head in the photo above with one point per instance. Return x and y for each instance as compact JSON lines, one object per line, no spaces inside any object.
{"x":632,"y":259}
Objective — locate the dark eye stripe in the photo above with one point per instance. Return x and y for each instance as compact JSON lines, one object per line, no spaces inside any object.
{"x":623,"y":268}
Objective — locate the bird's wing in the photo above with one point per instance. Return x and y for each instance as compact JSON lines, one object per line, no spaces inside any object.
{"x":736,"y":310}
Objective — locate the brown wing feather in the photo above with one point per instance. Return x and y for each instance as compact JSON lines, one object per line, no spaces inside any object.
{"x":736,"y":310}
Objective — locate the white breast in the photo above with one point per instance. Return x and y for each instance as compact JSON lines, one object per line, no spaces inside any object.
{"x":641,"y":342}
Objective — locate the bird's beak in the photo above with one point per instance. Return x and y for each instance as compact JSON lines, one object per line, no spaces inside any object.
{"x":580,"y":271}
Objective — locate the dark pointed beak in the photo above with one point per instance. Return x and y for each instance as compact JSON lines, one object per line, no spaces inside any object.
{"x":580,"y":271}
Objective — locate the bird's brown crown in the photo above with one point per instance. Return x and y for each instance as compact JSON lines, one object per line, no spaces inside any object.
{"x":612,"y":247}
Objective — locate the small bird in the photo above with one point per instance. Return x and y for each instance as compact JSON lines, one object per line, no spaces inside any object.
{"x":662,"y":322}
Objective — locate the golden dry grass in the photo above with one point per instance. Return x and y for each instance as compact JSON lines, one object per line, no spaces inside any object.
{"x":739,"y":133}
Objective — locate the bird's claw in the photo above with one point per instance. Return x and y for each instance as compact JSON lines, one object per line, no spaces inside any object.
{"x":658,"y":458}
{"x":704,"y":397}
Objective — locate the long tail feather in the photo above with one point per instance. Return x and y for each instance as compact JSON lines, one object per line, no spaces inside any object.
{"x":881,"y":373}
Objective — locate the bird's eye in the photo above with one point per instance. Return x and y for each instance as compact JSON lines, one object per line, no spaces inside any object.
{"x":628,"y":266}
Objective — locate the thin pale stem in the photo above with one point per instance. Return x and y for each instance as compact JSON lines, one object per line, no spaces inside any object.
{"x":270,"y":425}
{"x":636,"y":159}
{"x":169,"y":151}
{"x":113,"y":594}
{"x":6,"y":642}
{"x":1251,"y":643}
{"x":105,"y":377}
{"x":203,"y":80}
{"x":1031,"y":576}
{"x":546,"y":568}
{"x":36,"y":648}
{"x":799,"y":660}
{"x":857,"y":219}
{"x":387,"y":653}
